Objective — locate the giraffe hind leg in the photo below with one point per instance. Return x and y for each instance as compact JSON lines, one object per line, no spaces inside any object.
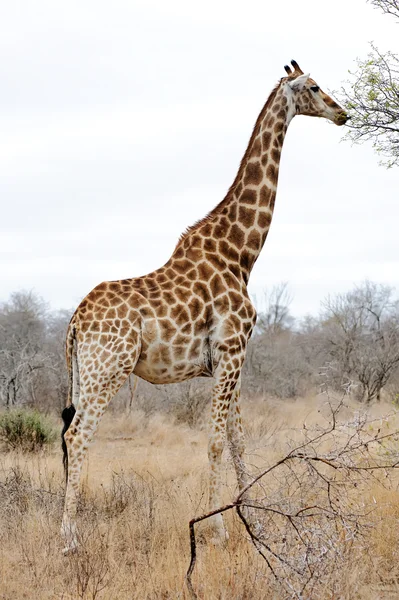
{"x":97,"y":388}
{"x":77,"y":439}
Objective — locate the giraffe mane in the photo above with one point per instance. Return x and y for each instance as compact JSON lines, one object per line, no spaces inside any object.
{"x":219,"y":207}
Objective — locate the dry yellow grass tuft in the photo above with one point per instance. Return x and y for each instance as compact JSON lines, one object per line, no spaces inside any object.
{"x":144,"y":480}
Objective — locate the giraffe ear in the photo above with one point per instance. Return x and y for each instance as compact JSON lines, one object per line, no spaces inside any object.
{"x":298,"y":83}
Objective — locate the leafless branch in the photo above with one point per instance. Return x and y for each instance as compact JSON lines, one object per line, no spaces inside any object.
{"x":300,"y":531}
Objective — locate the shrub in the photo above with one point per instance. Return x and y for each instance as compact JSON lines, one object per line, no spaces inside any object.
{"x":26,"y":430}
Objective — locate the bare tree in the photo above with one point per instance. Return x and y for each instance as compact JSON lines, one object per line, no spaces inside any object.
{"x":32,"y":361}
{"x":22,"y":334}
{"x":361,"y":336}
{"x":276,"y":366}
{"x":275,"y":317}
{"x":275,"y":363}
{"x":54,"y":384}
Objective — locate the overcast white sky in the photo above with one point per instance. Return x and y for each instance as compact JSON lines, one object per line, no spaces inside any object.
{"x":124,"y":122}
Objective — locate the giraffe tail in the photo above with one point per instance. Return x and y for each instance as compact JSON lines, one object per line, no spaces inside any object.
{"x":67,"y":416}
{"x":69,"y":411}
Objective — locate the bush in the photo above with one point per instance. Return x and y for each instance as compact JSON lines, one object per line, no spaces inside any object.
{"x":26,"y":430}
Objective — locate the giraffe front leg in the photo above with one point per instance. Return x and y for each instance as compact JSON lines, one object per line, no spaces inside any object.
{"x":226,"y":381}
{"x":236,"y":439}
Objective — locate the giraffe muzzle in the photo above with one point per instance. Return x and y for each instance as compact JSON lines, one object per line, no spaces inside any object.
{"x":341,"y":118}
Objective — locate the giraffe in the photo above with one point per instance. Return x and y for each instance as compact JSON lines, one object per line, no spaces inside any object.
{"x":192,"y":317}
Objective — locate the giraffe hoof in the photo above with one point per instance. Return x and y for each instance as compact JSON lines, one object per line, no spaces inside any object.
{"x":68,"y":550}
{"x":219,"y":540}
{"x":218,"y":536}
{"x":257,"y":528}
{"x":70,"y":537}
{"x":213,"y":534}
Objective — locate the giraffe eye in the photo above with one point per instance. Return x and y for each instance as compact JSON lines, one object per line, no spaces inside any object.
{"x":314,"y":88}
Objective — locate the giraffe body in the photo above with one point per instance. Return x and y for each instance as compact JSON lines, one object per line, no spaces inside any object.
{"x":193,"y":316}
{"x":178,"y":334}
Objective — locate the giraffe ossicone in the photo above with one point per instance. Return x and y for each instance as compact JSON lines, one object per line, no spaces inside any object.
{"x":192,"y":317}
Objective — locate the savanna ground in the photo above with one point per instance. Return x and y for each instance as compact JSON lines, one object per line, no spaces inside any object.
{"x":145,"y":478}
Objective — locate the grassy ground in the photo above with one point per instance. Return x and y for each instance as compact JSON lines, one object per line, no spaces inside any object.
{"x":144,"y":480}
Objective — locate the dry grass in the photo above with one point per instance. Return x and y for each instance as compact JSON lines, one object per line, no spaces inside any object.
{"x":144,"y":480}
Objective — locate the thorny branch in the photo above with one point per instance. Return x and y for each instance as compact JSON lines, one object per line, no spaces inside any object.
{"x":316,"y":506}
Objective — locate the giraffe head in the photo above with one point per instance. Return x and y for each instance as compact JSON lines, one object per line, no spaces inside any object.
{"x":309,"y":99}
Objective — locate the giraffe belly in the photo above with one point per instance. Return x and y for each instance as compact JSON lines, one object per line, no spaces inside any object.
{"x":159,"y":374}
{"x":162,"y":363}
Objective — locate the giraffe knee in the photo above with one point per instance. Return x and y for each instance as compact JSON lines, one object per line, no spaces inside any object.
{"x":236,"y":436}
{"x":237,"y":444}
{"x":241,"y":444}
{"x":215,"y":448}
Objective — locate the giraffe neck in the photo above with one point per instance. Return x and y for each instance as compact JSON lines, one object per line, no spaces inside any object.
{"x":237,"y":228}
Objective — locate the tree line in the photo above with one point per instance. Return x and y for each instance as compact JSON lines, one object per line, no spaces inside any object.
{"x":352,"y":344}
